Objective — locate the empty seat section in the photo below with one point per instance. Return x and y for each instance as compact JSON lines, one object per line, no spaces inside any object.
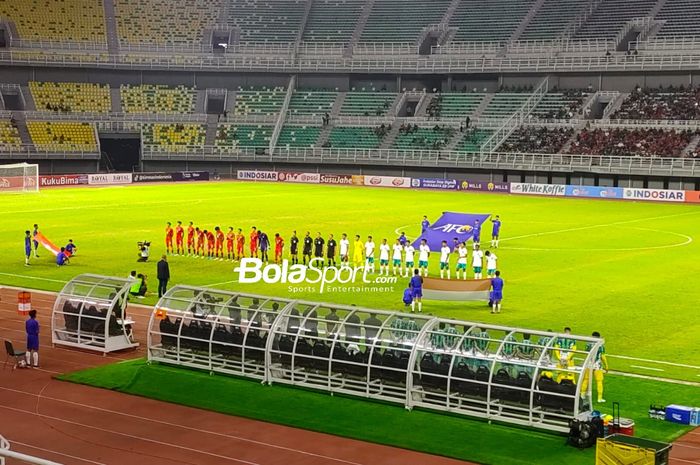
{"x":71,"y":96}
{"x":681,"y":16}
{"x":504,"y":104}
{"x":610,"y":17}
{"x":276,"y":21}
{"x":354,"y":137}
{"x":488,"y":20}
{"x":174,"y":136}
{"x":298,"y":136}
{"x":149,"y":98}
{"x":62,"y":136}
{"x":65,"y":20}
{"x":9,"y":136}
{"x":552,"y":19}
{"x":230,"y":135}
{"x":259,"y":101}
{"x":332,"y":21}
{"x":424,"y":138}
{"x":460,"y":105}
{"x":367,"y":103}
{"x":309,"y":102}
{"x":473,"y":139}
{"x":401,"y":20}
{"x":165,"y":21}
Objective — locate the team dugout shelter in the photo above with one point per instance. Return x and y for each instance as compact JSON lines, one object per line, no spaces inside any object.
{"x":511,"y":375}
{"x":90,"y":313}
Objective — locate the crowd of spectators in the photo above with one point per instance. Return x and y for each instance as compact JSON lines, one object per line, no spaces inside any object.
{"x":571,"y":103}
{"x":632,"y":142}
{"x":674,"y":103}
{"x":529,"y":139}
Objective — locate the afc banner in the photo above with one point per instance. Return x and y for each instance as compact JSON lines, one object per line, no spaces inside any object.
{"x":449,"y":226}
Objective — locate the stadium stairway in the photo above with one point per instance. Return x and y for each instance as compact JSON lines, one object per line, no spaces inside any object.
{"x":615,"y":104}
{"x":360,"y":26}
{"x":454,"y":142}
{"x":29,"y":103}
{"x":21,"y":121}
{"x":485,"y":102}
{"x":231,"y":101}
{"x":304,"y":21}
{"x":423,"y":104}
{"x":325,"y":133}
{"x":212,"y":130}
{"x":199,"y":101}
{"x":116,"y":97}
{"x":526,"y":20}
{"x":694,"y":142}
{"x":390,"y":138}
{"x":111,"y":28}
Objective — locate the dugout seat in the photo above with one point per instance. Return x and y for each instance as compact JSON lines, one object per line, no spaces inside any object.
{"x":462,"y":375}
{"x":168,"y":333}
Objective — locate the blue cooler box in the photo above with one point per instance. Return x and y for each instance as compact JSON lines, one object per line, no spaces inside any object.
{"x":678,"y":414}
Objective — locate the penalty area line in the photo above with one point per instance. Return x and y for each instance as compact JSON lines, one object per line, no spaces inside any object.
{"x":647,"y":368}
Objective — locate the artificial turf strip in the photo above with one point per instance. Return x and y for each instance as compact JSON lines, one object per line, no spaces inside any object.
{"x":433,"y":433}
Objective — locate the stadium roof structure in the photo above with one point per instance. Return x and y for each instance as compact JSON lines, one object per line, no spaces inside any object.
{"x":512,"y":375}
{"x":90,"y":313}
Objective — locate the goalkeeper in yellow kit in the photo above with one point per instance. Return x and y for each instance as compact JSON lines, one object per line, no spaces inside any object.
{"x":600,"y":367}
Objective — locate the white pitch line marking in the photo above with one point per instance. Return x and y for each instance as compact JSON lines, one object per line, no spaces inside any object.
{"x":659,"y":362}
{"x":33,"y":277}
{"x":656,"y":378}
{"x":593,"y":226}
{"x":647,"y":368}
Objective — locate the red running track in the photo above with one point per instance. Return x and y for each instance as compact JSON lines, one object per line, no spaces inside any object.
{"x":74,"y":424}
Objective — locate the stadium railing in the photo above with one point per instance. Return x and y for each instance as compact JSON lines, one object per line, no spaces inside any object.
{"x":401,"y":64}
{"x":144,"y":117}
{"x":565,"y":163}
{"x":321,"y":48}
{"x":691,"y":125}
{"x":385,"y":48}
{"x":681,"y":44}
{"x":5,"y":452}
{"x":56,"y":45}
{"x":30,"y":152}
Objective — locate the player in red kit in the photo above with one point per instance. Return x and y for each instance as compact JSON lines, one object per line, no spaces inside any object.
{"x":179,"y":239}
{"x":219,"y":243}
{"x":230,"y":236}
{"x":254,"y":242}
{"x":240,"y":244}
{"x":169,"y":238}
{"x":201,"y":238}
{"x":211,"y":243}
{"x":190,"y":239}
{"x":279,"y":246}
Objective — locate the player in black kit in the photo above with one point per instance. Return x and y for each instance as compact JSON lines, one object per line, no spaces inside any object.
{"x":330,"y":250}
{"x":318,"y":247}
{"x":294,"y":248}
{"x":308,"y":242}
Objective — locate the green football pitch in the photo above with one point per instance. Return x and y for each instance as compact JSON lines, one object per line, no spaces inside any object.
{"x":625,"y":269}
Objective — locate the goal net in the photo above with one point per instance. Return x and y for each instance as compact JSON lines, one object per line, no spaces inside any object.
{"x":19,"y":177}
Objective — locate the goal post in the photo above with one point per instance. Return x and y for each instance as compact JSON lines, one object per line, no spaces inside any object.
{"x":19,"y":178}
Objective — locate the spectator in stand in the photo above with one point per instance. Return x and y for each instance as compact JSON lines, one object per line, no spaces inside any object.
{"x":636,"y":142}
{"x":675,"y":103}
{"x":530,"y":139}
